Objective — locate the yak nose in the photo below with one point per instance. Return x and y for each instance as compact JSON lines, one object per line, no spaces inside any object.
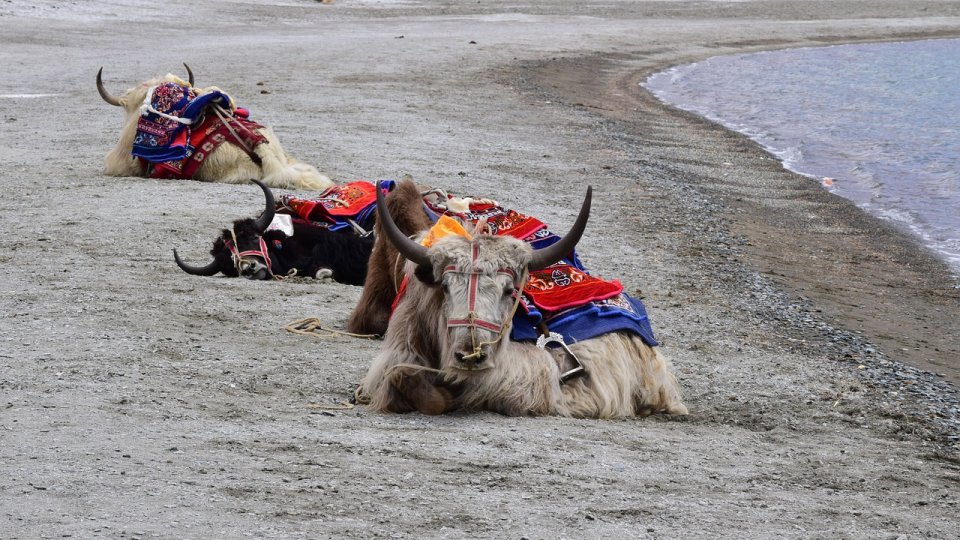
{"x":471,"y":360}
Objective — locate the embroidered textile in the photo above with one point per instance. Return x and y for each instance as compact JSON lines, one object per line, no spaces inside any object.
{"x":500,"y":220}
{"x":356,"y":201}
{"x":561,"y":286}
{"x":158,"y":130}
{"x":204,"y":139}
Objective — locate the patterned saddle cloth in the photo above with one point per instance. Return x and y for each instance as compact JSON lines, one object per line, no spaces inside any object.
{"x":174,"y":135}
{"x":336,"y":207}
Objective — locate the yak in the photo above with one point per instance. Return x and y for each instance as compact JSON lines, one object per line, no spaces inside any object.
{"x":385,"y":267}
{"x":232,"y":150}
{"x":447,"y":345}
{"x":251,"y":251}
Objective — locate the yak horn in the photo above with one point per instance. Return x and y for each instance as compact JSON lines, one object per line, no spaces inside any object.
{"x":407,"y":247}
{"x":543,"y":258}
{"x":189,"y":73}
{"x":103,"y":91}
{"x":269,"y":209}
{"x":208,"y":270}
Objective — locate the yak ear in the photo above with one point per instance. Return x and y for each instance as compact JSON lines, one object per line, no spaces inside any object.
{"x":424,"y":273}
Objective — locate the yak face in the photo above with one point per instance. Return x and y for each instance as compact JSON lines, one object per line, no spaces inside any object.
{"x":480,"y":281}
{"x":236,"y":253}
{"x":242,"y":251}
{"x":250,"y":255}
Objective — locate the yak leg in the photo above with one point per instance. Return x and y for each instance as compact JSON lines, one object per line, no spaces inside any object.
{"x":324,"y":275}
{"x":659,"y":391}
{"x":400,"y":382}
{"x":418,"y":393}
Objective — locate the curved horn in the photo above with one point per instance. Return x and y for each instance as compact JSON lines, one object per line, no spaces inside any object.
{"x":103,"y":91}
{"x":269,"y":209}
{"x":189,"y":73}
{"x":543,"y":258}
{"x":207,"y":270}
{"x":407,"y":247}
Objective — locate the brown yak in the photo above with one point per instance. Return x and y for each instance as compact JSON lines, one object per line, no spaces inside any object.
{"x":229,"y":162}
{"x":385,"y":267}
{"x":447,"y":345}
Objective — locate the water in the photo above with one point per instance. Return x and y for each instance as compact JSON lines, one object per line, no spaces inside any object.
{"x":878,"y":124}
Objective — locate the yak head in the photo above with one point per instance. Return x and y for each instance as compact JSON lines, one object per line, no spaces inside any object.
{"x":133,"y":98}
{"x":119,"y":162}
{"x":479,"y":281}
{"x":241,"y":251}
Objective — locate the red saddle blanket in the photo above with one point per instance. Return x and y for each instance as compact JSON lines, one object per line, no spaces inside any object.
{"x":563,"y":286}
{"x":202,"y":140}
{"x":354,"y":201}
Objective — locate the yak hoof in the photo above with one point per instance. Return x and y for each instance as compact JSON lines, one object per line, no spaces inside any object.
{"x":678,"y":409}
{"x":325,"y":275}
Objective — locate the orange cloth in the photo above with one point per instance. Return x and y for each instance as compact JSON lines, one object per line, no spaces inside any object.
{"x":445,"y":226}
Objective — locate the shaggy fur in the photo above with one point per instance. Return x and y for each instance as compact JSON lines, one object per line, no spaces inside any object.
{"x":229,"y":163}
{"x":311,"y":250}
{"x":418,"y":369}
{"x":385,"y":267}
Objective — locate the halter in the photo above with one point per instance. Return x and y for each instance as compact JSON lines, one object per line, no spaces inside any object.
{"x":238,"y":256}
{"x":472,"y":321}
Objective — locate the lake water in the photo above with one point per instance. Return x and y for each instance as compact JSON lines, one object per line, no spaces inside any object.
{"x":878,"y":124}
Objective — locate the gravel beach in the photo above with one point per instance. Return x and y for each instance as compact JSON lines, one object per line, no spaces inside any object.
{"x":817,"y":347}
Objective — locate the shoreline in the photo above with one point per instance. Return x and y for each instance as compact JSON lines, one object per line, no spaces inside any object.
{"x":788,"y":145}
{"x":857,"y":247}
{"x":883,"y":317}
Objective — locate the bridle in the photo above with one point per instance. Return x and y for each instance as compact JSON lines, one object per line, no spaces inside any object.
{"x":240,"y":256}
{"x":472,"y":322}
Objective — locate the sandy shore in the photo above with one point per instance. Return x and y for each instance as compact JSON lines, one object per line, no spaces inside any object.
{"x":137,"y":401}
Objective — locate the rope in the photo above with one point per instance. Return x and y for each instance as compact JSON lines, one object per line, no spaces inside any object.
{"x":311,"y":326}
{"x":342,"y":406}
{"x":416,"y":367}
{"x":220,"y":112}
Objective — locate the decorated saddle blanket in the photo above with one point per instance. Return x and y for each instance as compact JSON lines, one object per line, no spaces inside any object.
{"x":202,"y":140}
{"x":336,"y":207}
{"x":563,"y":296}
{"x":172,"y":128}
